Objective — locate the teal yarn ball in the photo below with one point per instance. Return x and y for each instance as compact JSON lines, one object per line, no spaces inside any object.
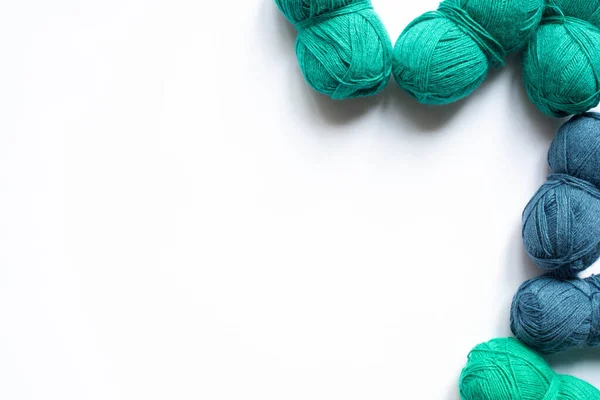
{"x":444,"y":55}
{"x":561,"y":65}
{"x":553,"y":315}
{"x":561,"y":223}
{"x":505,"y":369}
{"x":343,"y":49}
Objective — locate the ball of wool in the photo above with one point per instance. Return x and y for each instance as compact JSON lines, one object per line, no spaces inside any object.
{"x":444,"y":55}
{"x":561,"y":65}
{"x":576,"y":149}
{"x":505,"y":369}
{"x":343,"y":48}
{"x":561,"y":223}
{"x":553,"y":315}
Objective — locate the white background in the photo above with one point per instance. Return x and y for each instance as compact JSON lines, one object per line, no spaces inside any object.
{"x":181,"y":217}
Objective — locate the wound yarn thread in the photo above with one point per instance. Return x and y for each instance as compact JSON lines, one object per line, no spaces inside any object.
{"x":561,"y":223}
{"x":553,"y":315}
{"x":561,"y":65}
{"x":461,"y":18}
{"x":444,"y":55}
{"x":342,"y":46}
{"x":505,"y":369}
{"x":357,"y":6}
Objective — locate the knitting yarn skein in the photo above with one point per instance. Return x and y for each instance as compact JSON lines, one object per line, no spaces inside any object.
{"x":444,"y":55}
{"x":561,"y":65}
{"x":505,"y":369}
{"x":343,"y":49}
{"x":561,"y":223}
{"x":552,"y":315}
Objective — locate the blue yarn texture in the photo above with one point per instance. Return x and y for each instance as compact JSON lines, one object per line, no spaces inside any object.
{"x":561,"y":224}
{"x":552,"y":315}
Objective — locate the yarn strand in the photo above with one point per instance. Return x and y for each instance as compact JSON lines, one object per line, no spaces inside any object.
{"x":490,"y":46}
{"x":359,"y":6}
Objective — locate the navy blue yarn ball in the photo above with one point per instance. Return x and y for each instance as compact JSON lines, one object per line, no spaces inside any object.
{"x":561,"y":224}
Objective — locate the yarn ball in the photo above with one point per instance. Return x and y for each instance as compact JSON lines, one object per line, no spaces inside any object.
{"x":561,"y":65}
{"x":444,"y":55}
{"x":553,"y":315}
{"x":343,"y":49}
{"x":561,"y":223}
{"x":505,"y":369}
{"x":576,"y":148}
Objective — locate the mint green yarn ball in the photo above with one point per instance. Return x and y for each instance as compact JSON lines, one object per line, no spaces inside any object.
{"x":343,"y":49}
{"x":444,"y":55}
{"x":505,"y":369}
{"x":561,"y":65}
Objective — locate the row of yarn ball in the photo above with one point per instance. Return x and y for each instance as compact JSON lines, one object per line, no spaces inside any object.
{"x":557,"y":311}
{"x":344,"y":50}
{"x":561,"y":234}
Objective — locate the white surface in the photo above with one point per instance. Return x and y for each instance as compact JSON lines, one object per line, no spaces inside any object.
{"x":182,"y":218}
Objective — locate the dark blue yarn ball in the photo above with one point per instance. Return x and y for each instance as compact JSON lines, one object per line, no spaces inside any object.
{"x":576,"y":149}
{"x":552,"y":315}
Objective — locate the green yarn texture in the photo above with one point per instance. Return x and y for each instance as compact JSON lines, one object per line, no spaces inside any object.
{"x":561,"y":65}
{"x":343,"y":49}
{"x":505,"y":369}
{"x":444,"y":55}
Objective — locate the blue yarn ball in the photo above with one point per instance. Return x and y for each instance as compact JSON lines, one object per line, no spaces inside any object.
{"x":561,"y":224}
{"x":576,"y":149}
{"x":553,"y":315}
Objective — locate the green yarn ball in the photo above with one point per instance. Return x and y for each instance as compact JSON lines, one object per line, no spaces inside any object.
{"x":444,"y":55}
{"x":561,"y":65}
{"x":343,"y":48}
{"x":505,"y":369}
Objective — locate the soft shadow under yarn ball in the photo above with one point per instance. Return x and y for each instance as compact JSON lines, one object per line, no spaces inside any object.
{"x":553,"y":315}
{"x":505,"y":369}
{"x":561,"y":224}
{"x":343,"y":49}
{"x":444,"y":55}
{"x":561,"y":65}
